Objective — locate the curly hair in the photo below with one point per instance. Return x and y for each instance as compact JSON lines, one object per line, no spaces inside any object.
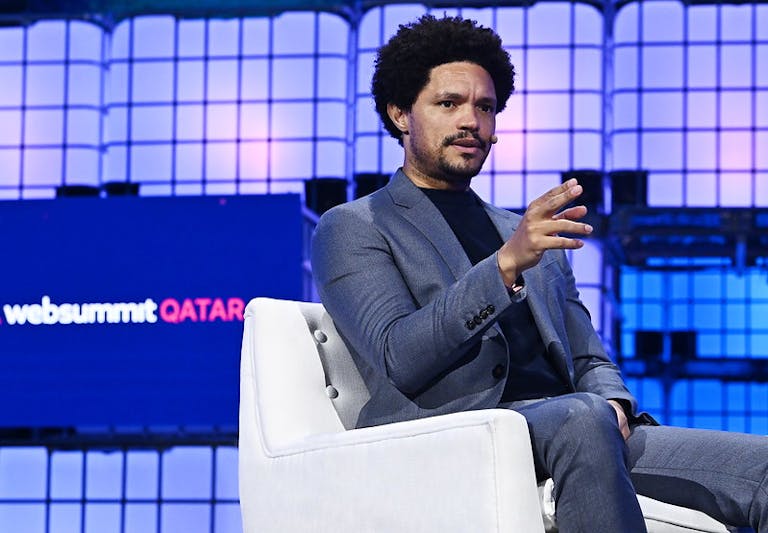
{"x":403,"y":65}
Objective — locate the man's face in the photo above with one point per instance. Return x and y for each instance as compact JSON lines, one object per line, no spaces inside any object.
{"x":450,"y":124}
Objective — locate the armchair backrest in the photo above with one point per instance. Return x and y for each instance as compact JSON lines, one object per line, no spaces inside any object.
{"x":344,"y":385}
{"x":297,"y":375}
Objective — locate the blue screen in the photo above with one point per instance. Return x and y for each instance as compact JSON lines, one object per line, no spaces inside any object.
{"x":128,"y":310}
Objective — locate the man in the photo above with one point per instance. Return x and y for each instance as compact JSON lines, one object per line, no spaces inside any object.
{"x":451,"y":304}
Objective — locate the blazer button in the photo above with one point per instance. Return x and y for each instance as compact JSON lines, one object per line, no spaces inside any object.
{"x":498,"y":371}
{"x":470,"y":324}
{"x":478,"y":320}
{"x":484,"y":314}
{"x":491,"y":309}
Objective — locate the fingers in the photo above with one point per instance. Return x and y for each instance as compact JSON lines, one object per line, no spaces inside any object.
{"x":563,"y":225}
{"x":542,"y":228}
{"x":572,"y":213}
{"x":562,"y":243}
{"x":549,"y":234}
{"x":556,"y":198}
{"x":621,"y":418}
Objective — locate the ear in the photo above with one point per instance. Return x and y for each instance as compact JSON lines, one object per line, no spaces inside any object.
{"x":398,"y":117}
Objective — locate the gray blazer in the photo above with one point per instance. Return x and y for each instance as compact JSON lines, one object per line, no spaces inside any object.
{"x":409,"y":304}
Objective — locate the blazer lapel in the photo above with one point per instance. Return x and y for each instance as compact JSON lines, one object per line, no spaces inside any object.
{"x":417,"y":209}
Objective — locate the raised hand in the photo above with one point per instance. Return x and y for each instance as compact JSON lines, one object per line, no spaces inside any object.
{"x":540,"y":228}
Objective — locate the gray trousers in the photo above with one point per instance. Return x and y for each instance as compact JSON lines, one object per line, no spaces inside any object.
{"x":576,"y":441}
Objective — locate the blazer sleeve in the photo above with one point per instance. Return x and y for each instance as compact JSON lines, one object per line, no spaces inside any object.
{"x":363,"y":288}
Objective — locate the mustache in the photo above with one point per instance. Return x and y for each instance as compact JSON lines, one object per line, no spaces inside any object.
{"x":464,"y":135}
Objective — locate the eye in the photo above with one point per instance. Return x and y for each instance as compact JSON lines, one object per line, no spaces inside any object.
{"x":447,"y":104}
{"x":486,"y":108}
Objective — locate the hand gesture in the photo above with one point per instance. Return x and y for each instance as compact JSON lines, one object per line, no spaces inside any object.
{"x":540,"y":228}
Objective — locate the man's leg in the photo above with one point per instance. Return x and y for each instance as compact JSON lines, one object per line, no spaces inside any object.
{"x":576,"y":440}
{"x":720,"y":473}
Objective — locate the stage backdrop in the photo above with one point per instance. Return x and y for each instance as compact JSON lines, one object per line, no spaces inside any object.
{"x":128,"y":311}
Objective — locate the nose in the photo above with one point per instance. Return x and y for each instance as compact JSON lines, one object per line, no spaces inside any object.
{"x":468,"y":119}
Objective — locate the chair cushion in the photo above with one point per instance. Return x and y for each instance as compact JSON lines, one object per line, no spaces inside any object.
{"x":659,"y":517}
{"x":663,"y":517}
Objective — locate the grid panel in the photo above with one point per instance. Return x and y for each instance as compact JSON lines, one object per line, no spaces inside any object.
{"x":690,"y":94}
{"x":50,"y":106}
{"x":725,"y":312}
{"x":258,"y":105}
{"x":183,"y":488}
{"x":708,"y":404}
{"x":227,"y":106}
{"x":180,"y":106}
{"x":728,"y":310}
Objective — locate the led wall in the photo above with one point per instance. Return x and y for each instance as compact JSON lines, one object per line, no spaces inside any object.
{"x":257,"y":105}
{"x":181,"y":106}
{"x":227,"y":106}
{"x":252,"y":105}
{"x":129,"y":311}
{"x":691,"y":101}
{"x":52,"y":79}
{"x":191,"y":489}
{"x":690,"y":105}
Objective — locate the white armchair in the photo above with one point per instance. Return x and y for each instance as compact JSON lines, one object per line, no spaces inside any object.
{"x":303,"y":468}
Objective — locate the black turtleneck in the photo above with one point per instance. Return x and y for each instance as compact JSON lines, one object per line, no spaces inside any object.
{"x":470,"y":223}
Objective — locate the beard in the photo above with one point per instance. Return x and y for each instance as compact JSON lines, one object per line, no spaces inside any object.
{"x":464,"y":170}
{"x":461,"y":170}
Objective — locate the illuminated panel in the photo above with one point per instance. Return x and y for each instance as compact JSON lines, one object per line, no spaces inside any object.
{"x":691,"y":101}
{"x":228,"y":106}
{"x":691,"y":107}
{"x":50,"y":107}
{"x":107,"y":295}
{"x":727,"y":311}
{"x":162,"y":490}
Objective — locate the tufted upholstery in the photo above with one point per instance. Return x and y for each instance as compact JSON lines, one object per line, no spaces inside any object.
{"x":344,"y":386}
{"x":303,"y":468}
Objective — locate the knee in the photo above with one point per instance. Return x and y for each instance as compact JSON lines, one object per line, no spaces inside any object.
{"x":587,"y":438}
{"x":591,"y":416}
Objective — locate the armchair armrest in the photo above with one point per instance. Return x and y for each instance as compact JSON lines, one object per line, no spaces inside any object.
{"x":470,"y":471}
